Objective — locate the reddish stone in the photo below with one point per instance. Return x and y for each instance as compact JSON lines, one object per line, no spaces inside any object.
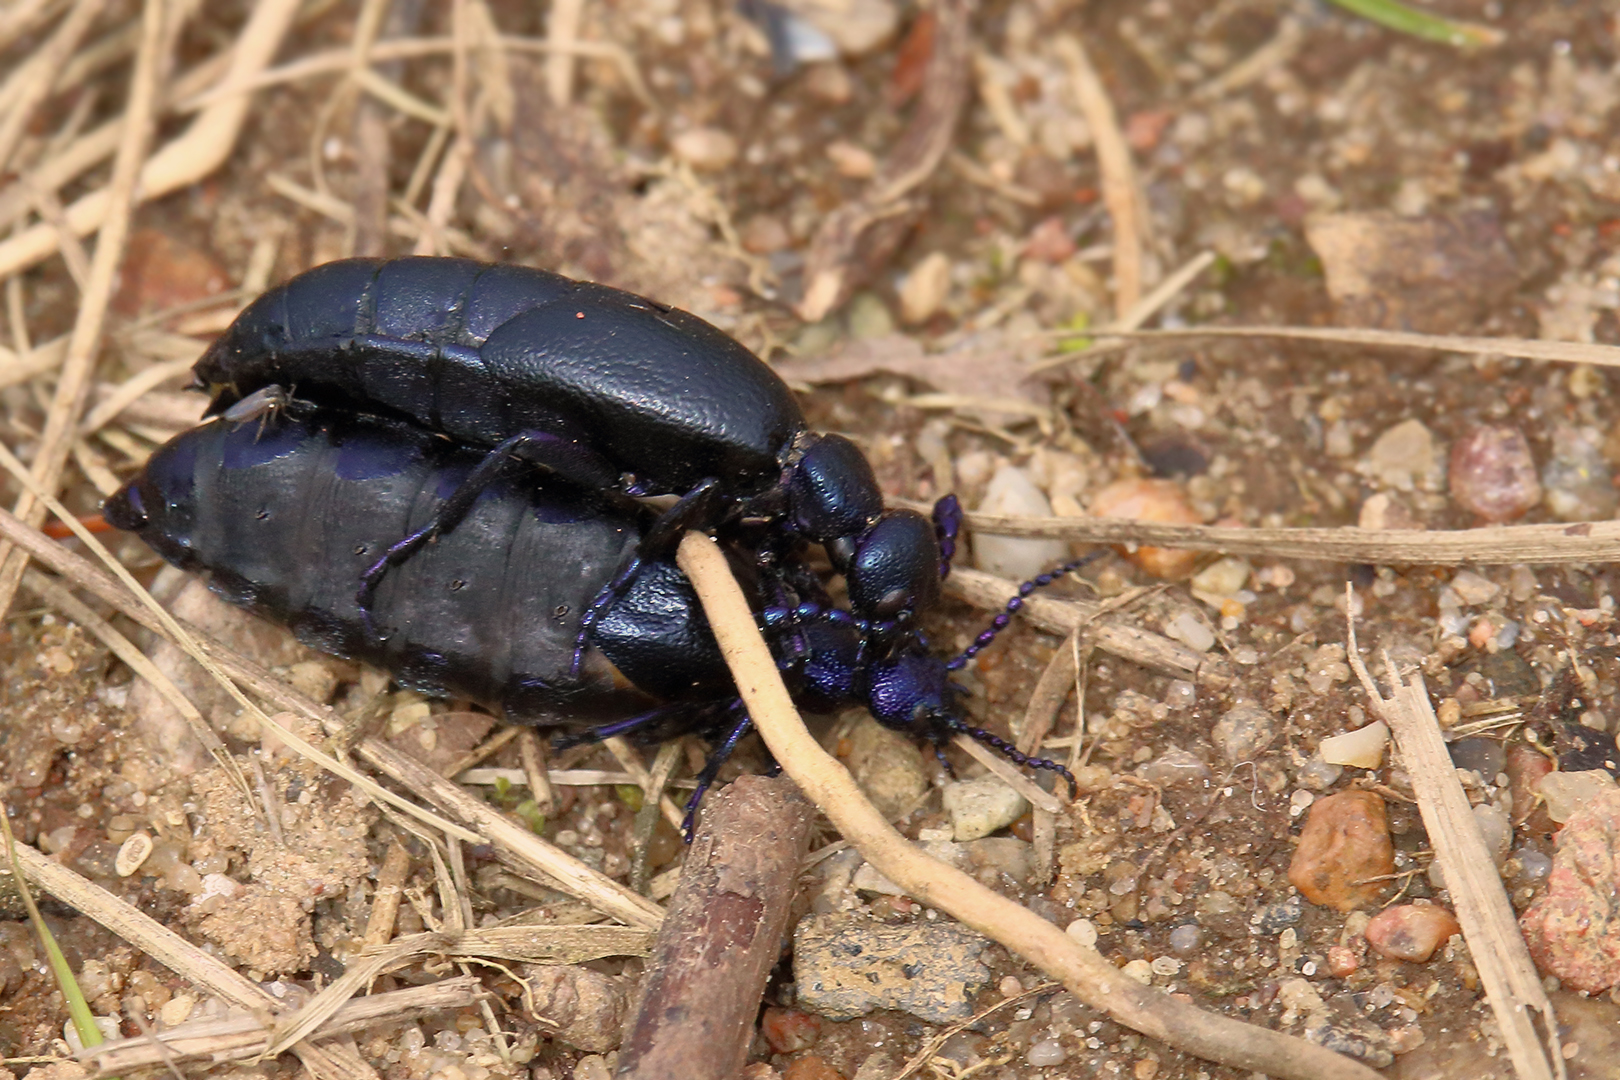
{"x":1525,"y":768}
{"x":1345,"y":843}
{"x":1573,"y":930}
{"x":811,"y":1067}
{"x":789,"y":1030}
{"x":1342,"y":961}
{"x":1411,"y":931}
{"x":1151,"y":500}
{"x":1492,"y":473}
{"x":1049,"y":242}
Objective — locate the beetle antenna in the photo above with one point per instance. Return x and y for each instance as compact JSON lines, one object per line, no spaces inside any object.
{"x":1018,"y":757}
{"x":947,"y":523}
{"x":999,"y":623}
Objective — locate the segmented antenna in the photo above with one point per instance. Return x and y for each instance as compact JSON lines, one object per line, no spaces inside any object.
{"x":999,"y":623}
{"x":1017,"y":756}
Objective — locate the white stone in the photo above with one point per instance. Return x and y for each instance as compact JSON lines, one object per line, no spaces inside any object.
{"x":1013,"y":493}
{"x":923,"y":291}
{"x":1473,"y":589}
{"x":1362,"y":748}
{"x":980,"y":807}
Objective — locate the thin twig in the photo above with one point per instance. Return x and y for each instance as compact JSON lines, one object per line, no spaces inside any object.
{"x":1121,"y":188}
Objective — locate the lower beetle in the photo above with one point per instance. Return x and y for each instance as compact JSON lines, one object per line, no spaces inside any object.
{"x":592,"y":382}
{"x":285,"y":520}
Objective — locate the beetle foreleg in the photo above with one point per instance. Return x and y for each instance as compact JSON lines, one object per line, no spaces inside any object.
{"x":947,"y":523}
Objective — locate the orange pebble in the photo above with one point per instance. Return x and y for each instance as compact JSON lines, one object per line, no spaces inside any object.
{"x":1157,"y":501}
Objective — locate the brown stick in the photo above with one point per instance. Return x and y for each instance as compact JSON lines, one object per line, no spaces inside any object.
{"x":1087,"y":975}
{"x":721,"y":936}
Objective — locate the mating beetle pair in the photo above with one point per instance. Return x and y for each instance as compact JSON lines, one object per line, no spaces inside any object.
{"x":282,"y":521}
{"x":414,"y":391}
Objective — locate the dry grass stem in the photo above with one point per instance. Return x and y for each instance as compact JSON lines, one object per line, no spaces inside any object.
{"x":233,"y":1038}
{"x":1506,"y":972}
{"x":1121,"y":187}
{"x":532,"y":751}
{"x":391,"y":877}
{"x":1011,"y":775}
{"x":1083,"y":971}
{"x":830,"y":265}
{"x":562,"y":30}
{"x":73,"y":384}
{"x":1572,"y":352}
{"x":38,"y":76}
{"x":178,"y":955}
{"x":630,"y":758}
{"x":204,"y":146}
{"x":518,"y":846}
{"x":1582,"y":542}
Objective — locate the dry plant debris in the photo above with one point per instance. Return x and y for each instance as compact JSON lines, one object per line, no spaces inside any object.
{"x":1157,"y":241}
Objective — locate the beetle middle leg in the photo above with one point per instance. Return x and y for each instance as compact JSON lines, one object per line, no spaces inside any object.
{"x":562,"y":456}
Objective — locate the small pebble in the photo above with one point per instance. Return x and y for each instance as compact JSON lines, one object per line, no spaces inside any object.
{"x":1402,"y":456}
{"x":1571,"y":929}
{"x":1012,"y":492}
{"x":592,"y":1067}
{"x":1165,"y":965}
{"x":1411,"y":931}
{"x":1186,"y":939}
{"x":1362,"y":748}
{"x":1344,"y":844}
{"x":1220,"y":579}
{"x":1578,"y":483}
{"x":1318,"y":775}
{"x":1242,"y":732}
{"x":1487,"y":757}
{"x":132,"y":854}
{"x":1341,"y":961}
{"x":789,"y":1030}
{"x":1567,"y":792}
{"x":831,"y":83}
{"x":705,"y":149}
{"x":1175,"y":766}
{"x":1492,"y":474}
{"x":1049,"y":242}
{"x":1046,"y":1052}
{"x":1140,"y":970}
{"x":1278,"y":917}
{"x":1496,"y":828}
{"x":980,"y":807}
{"x":1189,"y":629}
{"x":764,"y":234}
{"x":924,"y":289}
{"x":851,"y":161}
{"x":1151,"y":500}
{"x":1084,"y":931}
{"x":869,"y":317}
{"x":1473,"y":589}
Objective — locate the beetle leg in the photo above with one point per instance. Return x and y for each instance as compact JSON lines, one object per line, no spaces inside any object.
{"x":696,"y":507}
{"x":711,"y":768}
{"x":445,"y":518}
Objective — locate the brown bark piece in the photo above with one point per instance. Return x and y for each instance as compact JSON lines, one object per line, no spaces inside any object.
{"x":721,"y":936}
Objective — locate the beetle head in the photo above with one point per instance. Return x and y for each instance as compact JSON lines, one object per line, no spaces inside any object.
{"x":833,"y":495}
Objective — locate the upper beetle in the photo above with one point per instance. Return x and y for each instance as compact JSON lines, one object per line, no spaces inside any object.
{"x":604,"y":387}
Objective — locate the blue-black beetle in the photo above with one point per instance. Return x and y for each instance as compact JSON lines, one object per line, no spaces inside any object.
{"x":604,"y":387}
{"x":284,"y":520}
